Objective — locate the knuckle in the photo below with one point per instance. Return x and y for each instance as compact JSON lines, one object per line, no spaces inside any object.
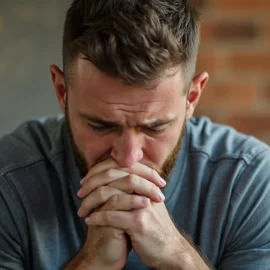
{"x":114,"y":200}
{"x":102,"y":193}
{"x":108,"y":217}
{"x":109,"y":173}
{"x":132,"y":179}
{"x":140,"y":221}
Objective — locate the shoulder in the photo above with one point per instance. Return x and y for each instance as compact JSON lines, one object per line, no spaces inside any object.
{"x":233,"y":172}
{"x":31,"y":142}
{"x":232,"y":165}
{"x":219,"y":142}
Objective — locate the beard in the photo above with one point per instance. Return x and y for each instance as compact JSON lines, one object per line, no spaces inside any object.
{"x":164,"y":171}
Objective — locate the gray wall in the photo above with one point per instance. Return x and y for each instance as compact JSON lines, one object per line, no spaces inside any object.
{"x":30,"y":40}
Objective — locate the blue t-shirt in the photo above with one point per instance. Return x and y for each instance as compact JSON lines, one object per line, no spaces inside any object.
{"x":218,"y":194}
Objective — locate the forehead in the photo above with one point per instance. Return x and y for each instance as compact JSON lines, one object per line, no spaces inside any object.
{"x":95,"y":91}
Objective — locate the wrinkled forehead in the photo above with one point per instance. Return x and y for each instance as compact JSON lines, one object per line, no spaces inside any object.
{"x":98,"y":94}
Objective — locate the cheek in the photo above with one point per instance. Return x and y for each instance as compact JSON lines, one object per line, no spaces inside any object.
{"x":157,"y":151}
{"x":91,"y":146}
{"x":96,"y":149}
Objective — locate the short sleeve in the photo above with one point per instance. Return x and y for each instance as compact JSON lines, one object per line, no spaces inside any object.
{"x":11,"y":248}
{"x":248,"y":224}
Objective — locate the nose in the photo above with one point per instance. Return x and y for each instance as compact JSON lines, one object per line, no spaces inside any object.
{"x":127,"y":149}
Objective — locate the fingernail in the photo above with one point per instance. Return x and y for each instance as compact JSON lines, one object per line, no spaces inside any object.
{"x":161,"y":197}
{"x":80,"y":192}
{"x":145,"y":201}
{"x":163,"y":182}
{"x":80,"y":212}
{"x":87,"y":220}
{"x":82,"y":181}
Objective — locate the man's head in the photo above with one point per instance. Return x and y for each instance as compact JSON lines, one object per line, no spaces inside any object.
{"x":127,"y":86}
{"x":134,"y":40}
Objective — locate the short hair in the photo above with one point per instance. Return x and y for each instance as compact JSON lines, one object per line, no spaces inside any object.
{"x":134,"y":40}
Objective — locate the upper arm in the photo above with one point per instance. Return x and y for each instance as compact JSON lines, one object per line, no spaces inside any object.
{"x":248,"y":242}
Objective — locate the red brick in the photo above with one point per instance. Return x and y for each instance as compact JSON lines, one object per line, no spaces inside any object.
{"x":235,"y":30}
{"x":229,"y":95}
{"x":252,"y":61}
{"x":228,"y":31}
{"x":251,"y":124}
{"x":209,"y":62}
{"x":234,"y":51}
{"x":267,"y":31}
{"x":265,"y":137}
{"x":243,"y":5}
{"x":207,"y":30}
{"x":209,"y":112}
{"x":268,"y":92}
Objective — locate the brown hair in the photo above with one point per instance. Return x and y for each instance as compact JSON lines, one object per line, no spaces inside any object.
{"x":134,"y":40}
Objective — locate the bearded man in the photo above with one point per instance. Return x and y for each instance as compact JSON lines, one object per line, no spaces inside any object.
{"x":127,"y":178}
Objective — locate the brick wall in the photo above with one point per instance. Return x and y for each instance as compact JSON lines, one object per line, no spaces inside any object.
{"x":235,"y":50}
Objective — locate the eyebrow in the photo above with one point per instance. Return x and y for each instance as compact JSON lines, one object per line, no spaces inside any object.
{"x":100,"y":121}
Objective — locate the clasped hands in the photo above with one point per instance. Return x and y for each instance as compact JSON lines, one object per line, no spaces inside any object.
{"x":130,"y":201}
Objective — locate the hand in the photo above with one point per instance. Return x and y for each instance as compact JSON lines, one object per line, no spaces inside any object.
{"x":105,"y":248}
{"x":153,"y":235}
{"x":106,"y":181}
{"x":112,"y":243}
{"x":107,"y":184}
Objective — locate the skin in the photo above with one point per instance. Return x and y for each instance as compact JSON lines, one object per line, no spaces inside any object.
{"x":121,"y":197}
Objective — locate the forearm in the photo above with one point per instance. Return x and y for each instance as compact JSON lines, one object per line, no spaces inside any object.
{"x":81,"y":262}
{"x":186,"y":258}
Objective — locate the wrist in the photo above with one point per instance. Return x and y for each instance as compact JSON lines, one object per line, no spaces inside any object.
{"x":83,"y":262}
{"x":93,"y":264}
{"x":96,"y":266}
{"x":87,"y":265}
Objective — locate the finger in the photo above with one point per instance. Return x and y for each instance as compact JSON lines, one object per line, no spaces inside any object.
{"x":102,"y":166}
{"x":125,"y":202}
{"x":135,"y":184}
{"x":146,"y":172}
{"x":101,"y":179}
{"x":122,"y":220}
{"x":97,"y":198}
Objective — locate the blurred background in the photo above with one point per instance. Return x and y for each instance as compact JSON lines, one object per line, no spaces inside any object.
{"x":235,"y":50}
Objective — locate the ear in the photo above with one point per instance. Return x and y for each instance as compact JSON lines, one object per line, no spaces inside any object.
{"x":195,"y":91}
{"x":59,"y":86}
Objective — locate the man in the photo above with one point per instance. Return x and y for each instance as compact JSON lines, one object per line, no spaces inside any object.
{"x":128,"y":179}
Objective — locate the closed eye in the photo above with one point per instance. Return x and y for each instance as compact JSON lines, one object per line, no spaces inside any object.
{"x":99,"y":128}
{"x":154,"y":129}
{"x":157,"y":129}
